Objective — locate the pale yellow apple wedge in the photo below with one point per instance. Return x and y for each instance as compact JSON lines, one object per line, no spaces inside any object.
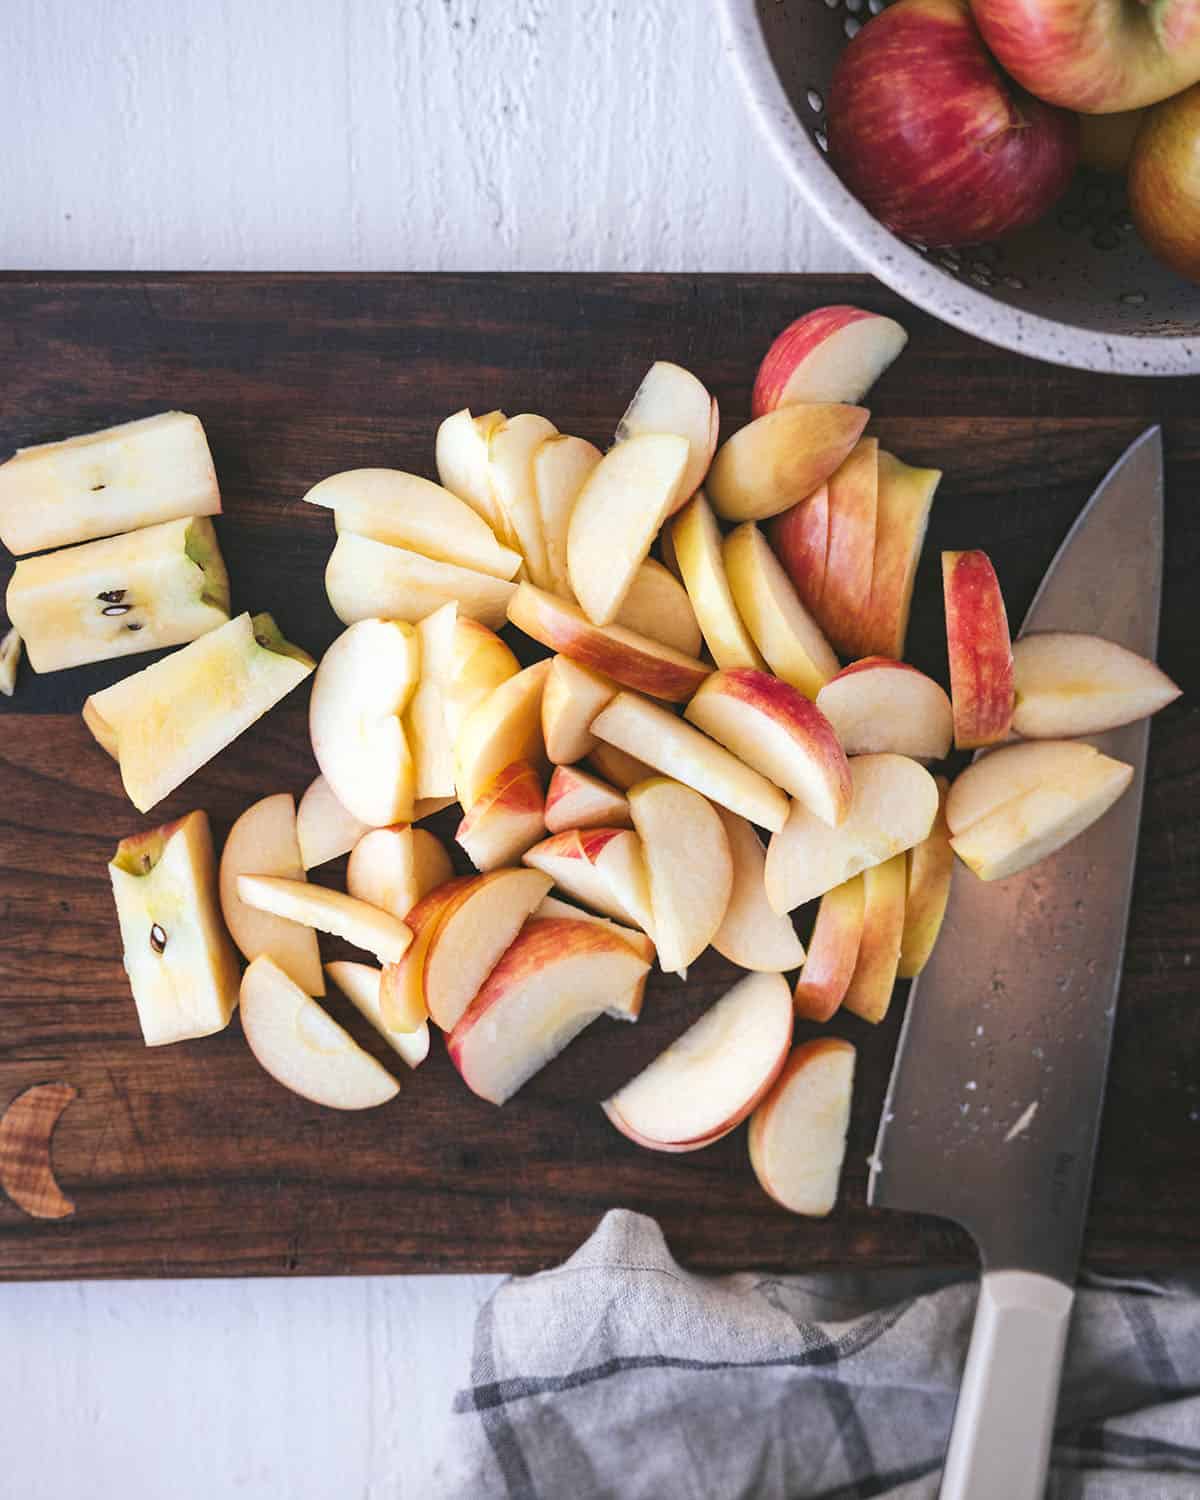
{"x":696,"y":538}
{"x":790,"y":640}
{"x":1068,"y":684}
{"x":511,"y":447}
{"x":334,"y":912}
{"x":360,"y":984}
{"x":462,"y":462}
{"x":505,"y":727}
{"x":10,"y":661}
{"x":780,"y":458}
{"x":368,"y":580}
{"x":869,"y":993}
{"x":426,"y":719}
{"x":572,"y":698}
{"x":325,"y":829}
{"x":797,"y":1136}
{"x":672,"y":399}
{"x":751,"y":934}
{"x":393,"y":868}
{"x":657,"y":605}
{"x":561,"y":466}
{"x":689,"y":866}
{"x":930,"y":867}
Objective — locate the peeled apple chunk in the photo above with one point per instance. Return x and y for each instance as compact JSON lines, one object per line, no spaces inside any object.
{"x":166,"y":721}
{"x":155,"y":469}
{"x":1068,"y":684}
{"x":162,"y":586}
{"x":797,"y":1137}
{"x":182,"y":968}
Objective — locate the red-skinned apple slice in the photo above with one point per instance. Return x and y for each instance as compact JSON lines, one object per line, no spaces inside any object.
{"x":368,"y":580}
{"x":575,"y":799}
{"x":617,"y":768}
{"x":671,"y":399}
{"x":366,"y":926}
{"x":561,"y":466}
{"x":511,"y":447}
{"x":697,"y":541}
{"x":360,"y":984}
{"x":633,"y":660}
{"x":641,"y":942}
{"x":324,"y":828}
{"x":903,"y":503}
{"x":797,"y":1137}
{"x":893,"y":806}
{"x":689,"y":865}
{"x":980,"y":652}
{"x":393,"y":868}
{"x":402,"y":989}
{"x":602,"y":867}
{"x":572,"y":698}
{"x":830,"y":354}
{"x":832,"y":952}
{"x":878,"y":704}
{"x":1068,"y":684}
{"x":853,"y":511}
{"x":657,"y":606}
{"x":751,"y":935}
{"x":930,"y":866}
{"x":462,"y":462}
{"x":709,"y":1079}
{"x":790,"y":640}
{"x":507,"y":819}
{"x":556,"y":977}
{"x":773,"y":728}
{"x":884,"y":895}
{"x":800,"y":538}
{"x":505,"y":727}
{"x":781,"y":457}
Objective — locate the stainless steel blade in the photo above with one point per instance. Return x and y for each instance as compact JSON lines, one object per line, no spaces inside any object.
{"x":994,"y":1105}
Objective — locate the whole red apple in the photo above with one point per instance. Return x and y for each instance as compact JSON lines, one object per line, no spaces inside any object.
{"x":1164,"y":181}
{"x":935,"y":140}
{"x":1096,"y":56}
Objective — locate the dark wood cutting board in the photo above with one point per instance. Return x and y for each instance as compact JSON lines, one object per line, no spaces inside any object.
{"x":190,"y":1160}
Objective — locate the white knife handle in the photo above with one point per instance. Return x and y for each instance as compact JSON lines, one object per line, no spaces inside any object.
{"x":1000,"y":1444}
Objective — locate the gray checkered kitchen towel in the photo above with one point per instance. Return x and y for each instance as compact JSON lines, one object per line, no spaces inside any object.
{"x":621,"y":1376}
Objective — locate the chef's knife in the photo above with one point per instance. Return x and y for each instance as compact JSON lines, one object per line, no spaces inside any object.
{"x":994,"y":1105}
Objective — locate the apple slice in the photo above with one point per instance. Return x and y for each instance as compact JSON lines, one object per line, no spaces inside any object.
{"x":324,"y":828}
{"x":832,"y":952}
{"x":797,"y":1137}
{"x":657,"y":606}
{"x":393,"y":868}
{"x":640,"y":942}
{"x":830,"y":354}
{"x":893,"y":806}
{"x":472,"y":934}
{"x":618,"y":513}
{"x":426,"y":725}
{"x":773,"y":728}
{"x":505,"y":727}
{"x":561,"y":466}
{"x":511,"y":447}
{"x":689,"y":866}
{"x":884,"y":894}
{"x":781,"y":457}
{"x":576,"y":800}
{"x":879,"y":704}
{"x":751,"y":935}
{"x":263,"y":842}
{"x":614,"y":766}
{"x":602,"y":867}
{"x":697,"y":540}
{"x":800,"y":537}
{"x":404,"y":510}
{"x":1023,"y":802}
{"x":1068,"y":684}
{"x":508,"y":818}
{"x":905,"y":496}
{"x":556,"y":977}
{"x":462,"y":462}
{"x":676,"y":749}
{"x":302,"y":1047}
{"x":709,"y":1079}
{"x":783,"y":630}
{"x":572,"y":698}
{"x":10,"y":660}
{"x":849,"y":560}
{"x":930,"y":866}
{"x":355,"y":720}
{"x":671,"y":399}
{"x":480,"y":662}
{"x":360,"y":984}
{"x":633,"y":660}
{"x":402,"y":999}
{"x":368,"y":580}
{"x":365,"y":926}
{"x":977,"y":641}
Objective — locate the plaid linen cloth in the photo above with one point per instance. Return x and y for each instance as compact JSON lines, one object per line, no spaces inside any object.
{"x":621,"y":1376}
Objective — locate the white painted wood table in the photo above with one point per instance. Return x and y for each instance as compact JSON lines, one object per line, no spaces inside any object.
{"x":341,"y":135}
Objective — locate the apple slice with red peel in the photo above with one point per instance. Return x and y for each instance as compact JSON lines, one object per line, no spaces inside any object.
{"x":508,"y":817}
{"x":878,"y":704}
{"x":571,"y":699}
{"x":479,"y":663}
{"x":709,"y":1079}
{"x":402,"y":989}
{"x":832,"y":952}
{"x":626,"y":1007}
{"x":930,"y":866}
{"x":697,"y":541}
{"x":393,"y":868}
{"x":885,"y":889}
{"x":324,"y":828}
{"x":511,"y":447}
{"x":505,"y":727}
{"x":561,"y":466}
{"x":893,"y":806}
{"x":366,"y":580}
{"x":620,"y":508}
{"x":773,"y":728}
{"x":671,"y":399}
{"x":751,"y":935}
{"x":676,"y":749}
{"x":1068,"y":684}
{"x":790,"y":640}
{"x":635,"y":661}
{"x":602,"y":867}
{"x":365,"y":926}
{"x":614,"y":766}
{"x":800,"y":538}
{"x":797,"y":1138}
{"x":360,"y":984}
{"x":576,"y":800}
{"x":302,"y":1047}
{"x":689,"y":865}
{"x":781,"y":457}
{"x":977,"y":641}
{"x":830,"y":354}
{"x":657,"y":606}
{"x":850,"y":558}
{"x":905,"y":495}
{"x":555,"y":979}
{"x":263,"y":842}
{"x":462,"y":462}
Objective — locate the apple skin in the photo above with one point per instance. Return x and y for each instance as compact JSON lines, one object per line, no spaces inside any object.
{"x":800,"y":538}
{"x":979,"y":650}
{"x":1164,"y":181}
{"x":576,"y":800}
{"x":935,"y":141}
{"x":1095,"y":56}
{"x":787,"y":372}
